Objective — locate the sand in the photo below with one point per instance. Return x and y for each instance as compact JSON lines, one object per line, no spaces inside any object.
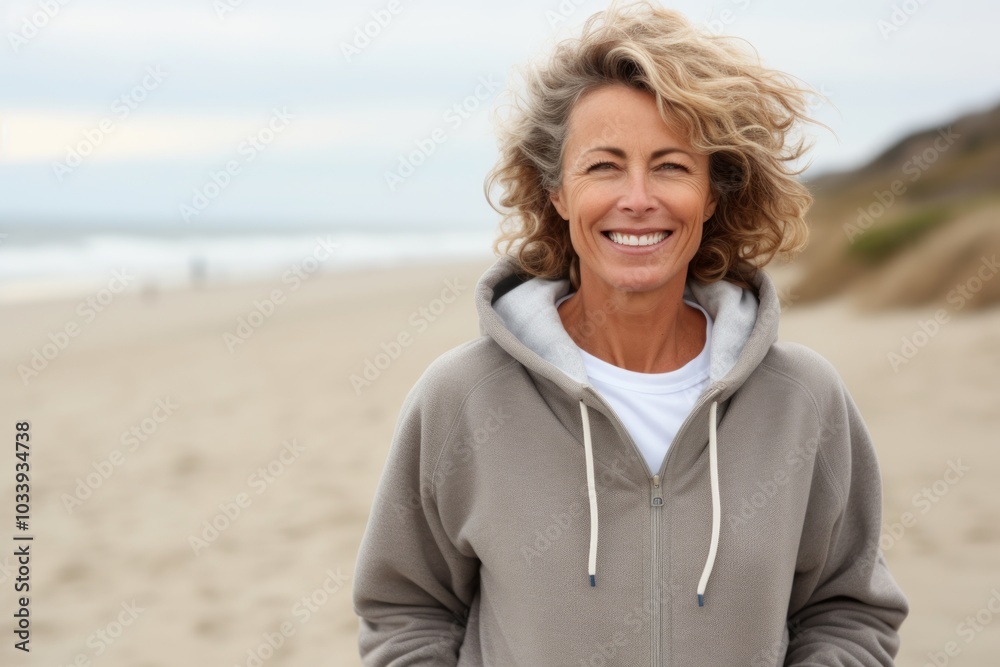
{"x":271,"y":442}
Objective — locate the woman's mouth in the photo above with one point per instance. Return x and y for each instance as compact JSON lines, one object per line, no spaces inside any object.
{"x":640,"y":243}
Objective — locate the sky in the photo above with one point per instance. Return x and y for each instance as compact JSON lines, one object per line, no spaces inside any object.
{"x":201,"y":114}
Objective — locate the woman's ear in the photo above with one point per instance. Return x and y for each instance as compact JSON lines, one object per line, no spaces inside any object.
{"x":710,"y":209}
{"x":711,"y":204}
{"x":555,"y":196}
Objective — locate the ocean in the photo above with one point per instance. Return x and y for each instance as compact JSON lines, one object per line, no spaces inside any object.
{"x":52,"y":265}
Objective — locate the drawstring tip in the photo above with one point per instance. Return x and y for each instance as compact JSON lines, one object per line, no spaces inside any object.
{"x":701,"y":600}
{"x":593,"y":580}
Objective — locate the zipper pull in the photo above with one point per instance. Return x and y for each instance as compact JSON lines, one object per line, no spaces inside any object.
{"x":657,"y":498}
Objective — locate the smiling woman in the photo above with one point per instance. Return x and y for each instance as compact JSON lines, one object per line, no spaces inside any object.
{"x":670,"y":182}
{"x":629,"y":371}
{"x":636,"y":210}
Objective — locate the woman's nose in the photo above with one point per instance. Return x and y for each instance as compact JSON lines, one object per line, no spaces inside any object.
{"x":637,"y":199}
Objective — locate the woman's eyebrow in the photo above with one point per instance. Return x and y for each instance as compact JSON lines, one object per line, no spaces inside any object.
{"x":621,"y":153}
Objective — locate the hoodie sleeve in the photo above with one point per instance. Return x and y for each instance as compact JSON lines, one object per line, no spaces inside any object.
{"x":846,"y":608}
{"x":412,"y":586}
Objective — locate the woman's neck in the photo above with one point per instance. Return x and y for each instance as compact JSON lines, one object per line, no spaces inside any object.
{"x":646,"y":332}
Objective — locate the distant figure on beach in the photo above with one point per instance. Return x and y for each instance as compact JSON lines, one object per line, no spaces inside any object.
{"x":627,"y":467}
{"x":150,"y":291}
{"x":199,"y":271}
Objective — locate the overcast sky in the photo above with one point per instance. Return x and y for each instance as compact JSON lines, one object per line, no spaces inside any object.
{"x":164,"y":96}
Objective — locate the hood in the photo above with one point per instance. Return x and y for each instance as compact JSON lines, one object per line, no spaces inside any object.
{"x":520,"y":315}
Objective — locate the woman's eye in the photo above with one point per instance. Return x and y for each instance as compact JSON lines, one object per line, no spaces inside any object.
{"x":666,"y":166}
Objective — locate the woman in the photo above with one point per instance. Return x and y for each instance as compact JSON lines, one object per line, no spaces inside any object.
{"x":627,"y":468}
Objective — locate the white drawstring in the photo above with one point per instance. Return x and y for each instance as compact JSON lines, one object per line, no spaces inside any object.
{"x":713,"y":548}
{"x":716,"y":511}
{"x":588,"y":449}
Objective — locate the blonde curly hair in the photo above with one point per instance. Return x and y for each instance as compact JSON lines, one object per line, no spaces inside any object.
{"x":732,"y":108}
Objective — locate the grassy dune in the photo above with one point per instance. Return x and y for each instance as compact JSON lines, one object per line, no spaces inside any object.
{"x":918,"y":225}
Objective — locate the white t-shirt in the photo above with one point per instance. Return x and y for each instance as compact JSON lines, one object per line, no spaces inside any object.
{"x":651,"y":405}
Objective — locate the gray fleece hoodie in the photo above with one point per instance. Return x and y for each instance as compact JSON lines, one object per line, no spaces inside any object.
{"x":516,"y":523}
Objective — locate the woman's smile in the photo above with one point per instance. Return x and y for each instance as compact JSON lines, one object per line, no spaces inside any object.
{"x":637,"y":242}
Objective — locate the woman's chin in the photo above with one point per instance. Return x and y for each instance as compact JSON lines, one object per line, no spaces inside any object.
{"x":641,"y":279}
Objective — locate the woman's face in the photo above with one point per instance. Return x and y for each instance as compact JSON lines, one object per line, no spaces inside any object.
{"x":626,"y":172}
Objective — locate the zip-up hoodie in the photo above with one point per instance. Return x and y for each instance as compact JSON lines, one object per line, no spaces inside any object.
{"x":516,"y":522}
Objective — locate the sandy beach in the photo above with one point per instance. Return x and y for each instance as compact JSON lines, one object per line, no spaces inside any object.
{"x":203,"y":461}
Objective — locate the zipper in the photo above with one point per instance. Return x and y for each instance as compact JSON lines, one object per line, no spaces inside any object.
{"x":656,"y":502}
{"x":707,"y":398}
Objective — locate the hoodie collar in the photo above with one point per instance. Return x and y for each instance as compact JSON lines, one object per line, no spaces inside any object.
{"x":520,"y":315}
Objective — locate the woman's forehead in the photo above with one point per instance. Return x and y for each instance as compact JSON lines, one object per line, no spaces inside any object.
{"x":621,"y":117}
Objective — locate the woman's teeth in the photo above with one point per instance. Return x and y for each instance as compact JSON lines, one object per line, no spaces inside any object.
{"x":632,"y":239}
